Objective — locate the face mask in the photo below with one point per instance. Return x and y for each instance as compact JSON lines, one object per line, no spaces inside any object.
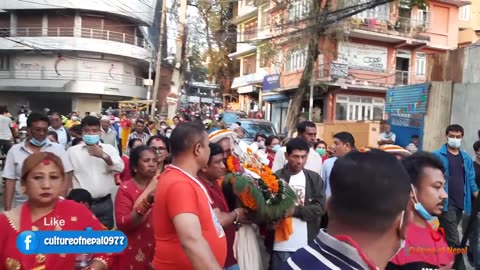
{"x":276,"y":148}
{"x":420,"y":209}
{"x":168,"y":135}
{"x":477,"y":154}
{"x":91,"y":139}
{"x":261,"y":144}
{"x":321,"y":152}
{"x":454,"y":143}
{"x":37,"y":142}
{"x":163,"y":127}
{"x":402,"y":241}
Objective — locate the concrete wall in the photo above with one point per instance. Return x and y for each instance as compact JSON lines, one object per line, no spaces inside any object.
{"x":465,"y":111}
{"x":471,"y":65}
{"x":438,"y":115}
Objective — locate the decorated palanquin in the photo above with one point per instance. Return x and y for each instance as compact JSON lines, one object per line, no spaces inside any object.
{"x":76,"y":217}
{"x":256,"y":186}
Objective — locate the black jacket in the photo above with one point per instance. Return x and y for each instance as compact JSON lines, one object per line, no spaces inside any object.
{"x":314,"y":206}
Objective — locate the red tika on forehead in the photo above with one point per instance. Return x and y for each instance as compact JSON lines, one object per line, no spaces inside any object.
{"x":157,"y":140}
{"x":46,"y":162}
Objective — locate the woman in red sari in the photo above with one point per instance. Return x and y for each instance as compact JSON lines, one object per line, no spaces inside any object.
{"x":161,"y":146}
{"x":125,"y":174}
{"x":43,"y":181}
{"x":132,"y":210}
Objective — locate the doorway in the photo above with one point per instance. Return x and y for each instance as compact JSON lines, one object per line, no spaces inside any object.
{"x":402,"y":67}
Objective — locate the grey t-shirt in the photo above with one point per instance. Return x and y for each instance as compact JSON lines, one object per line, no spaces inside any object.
{"x":5,"y":125}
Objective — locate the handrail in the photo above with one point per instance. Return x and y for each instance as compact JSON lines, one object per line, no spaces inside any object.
{"x":74,"y":32}
{"x":373,"y":18}
{"x":71,"y":75}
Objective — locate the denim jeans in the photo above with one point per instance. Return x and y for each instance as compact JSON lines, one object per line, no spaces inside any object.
{"x":474,"y":240}
{"x":233,"y":267}
{"x":278,"y":259}
{"x":449,"y":222}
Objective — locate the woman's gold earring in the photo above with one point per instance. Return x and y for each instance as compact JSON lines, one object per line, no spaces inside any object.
{"x":24,"y":190}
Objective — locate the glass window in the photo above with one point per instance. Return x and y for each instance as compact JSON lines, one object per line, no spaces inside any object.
{"x":296,"y":59}
{"x":465,"y":13}
{"x":421,"y":64}
{"x":298,"y":10}
{"x":378,"y":112}
{"x":355,"y":108}
{"x":341,"y":112}
{"x":252,"y":128}
{"x":354,"y":99}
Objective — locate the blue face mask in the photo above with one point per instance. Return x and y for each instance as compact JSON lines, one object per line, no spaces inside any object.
{"x":91,"y":139}
{"x":420,"y":209}
{"x":276,"y":148}
{"x":37,"y":142}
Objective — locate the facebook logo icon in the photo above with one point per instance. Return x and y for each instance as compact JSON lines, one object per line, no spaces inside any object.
{"x":27,"y":242}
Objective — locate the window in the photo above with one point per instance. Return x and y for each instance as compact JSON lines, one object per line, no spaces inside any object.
{"x":381,"y":12}
{"x":421,"y":64}
{"x":465,"y":13}
{"x":422,"y":18}
{"x":4,"y":62}
{"x":249,"y":65}
{"x":296,"y":59}
{"x":250,"y":30}
{"x":298,"y":10}
{"x":356,"y":108}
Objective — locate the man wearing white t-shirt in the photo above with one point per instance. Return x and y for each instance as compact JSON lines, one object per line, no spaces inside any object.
{"x":306,"y":216}
{"x":306,"y":131}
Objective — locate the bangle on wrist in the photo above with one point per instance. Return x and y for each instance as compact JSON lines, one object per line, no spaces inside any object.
{"x":237,"y":215}
{"x":143,"y":207}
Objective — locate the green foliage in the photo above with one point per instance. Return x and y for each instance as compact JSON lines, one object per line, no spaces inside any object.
{"x":421,"y":4}
{"x":269,"y":208}
{"x":267,"y":53}
{"x":198,"y":72}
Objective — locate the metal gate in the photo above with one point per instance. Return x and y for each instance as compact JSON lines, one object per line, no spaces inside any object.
{"x":405,"y":126}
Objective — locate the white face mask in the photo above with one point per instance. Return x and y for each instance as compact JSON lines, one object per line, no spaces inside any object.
{"x":454,"y":142}
{"x":261,"y":144}
{"x":168,"y":134}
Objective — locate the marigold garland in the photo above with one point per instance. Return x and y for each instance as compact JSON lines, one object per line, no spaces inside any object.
{"x":230,"y":164}
{"x":268,"y":196}
{"x":267,"y":176}
{"x":247,"y":199}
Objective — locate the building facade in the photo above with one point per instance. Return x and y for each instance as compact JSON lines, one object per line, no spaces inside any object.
{"x":74,"y":55}
{"x":374,"y":50}
{"x":469,"y":24}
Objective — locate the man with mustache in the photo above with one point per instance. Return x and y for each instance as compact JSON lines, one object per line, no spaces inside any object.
{"x":425,"y":246}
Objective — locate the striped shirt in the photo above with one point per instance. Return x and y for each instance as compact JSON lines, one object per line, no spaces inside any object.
{"x":326,"y":252}
{"x":143,"y":136}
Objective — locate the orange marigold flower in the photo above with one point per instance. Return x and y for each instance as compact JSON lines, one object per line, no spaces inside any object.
{"x":231,"y":164}
{"x":247,"y":199}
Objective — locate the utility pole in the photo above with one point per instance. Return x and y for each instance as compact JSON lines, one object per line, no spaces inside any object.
{"x":177,"y":76}
{"x":156,"y":86}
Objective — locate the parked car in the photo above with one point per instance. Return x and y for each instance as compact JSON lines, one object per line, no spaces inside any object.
{"x":254,"y":126}
{"x":229,"y":117}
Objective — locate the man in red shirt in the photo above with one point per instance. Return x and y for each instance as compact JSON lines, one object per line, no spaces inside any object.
{"x":228,"y":219}
{"x":188,"y":234}
{"x":425,"y":246}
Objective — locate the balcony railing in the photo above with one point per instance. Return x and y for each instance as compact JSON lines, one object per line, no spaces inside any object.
{"x":382,"y":22}
{"x":402,"y":77}
{"x":74,"y":32}
{"x":71,"y":75}
{"x":382,"y":78}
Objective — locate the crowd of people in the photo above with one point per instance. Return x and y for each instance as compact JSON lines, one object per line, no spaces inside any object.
{"x":356,"y":208}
